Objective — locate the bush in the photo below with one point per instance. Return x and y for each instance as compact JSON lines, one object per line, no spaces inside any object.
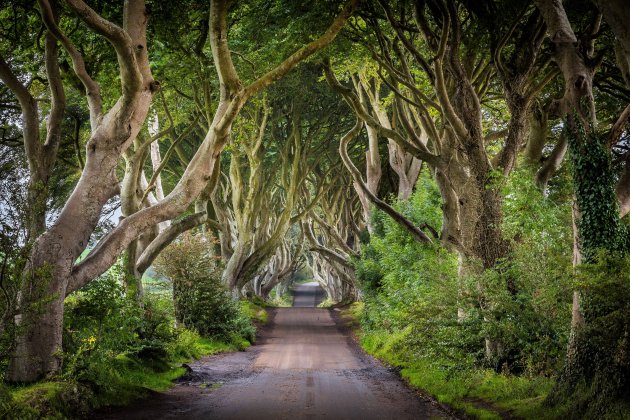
{"x":114,"y":347}
{"x":101,"y":323}
{"x":411,"y":289}
{"x":201,"y":301}
{"x":414,"y":294}
{"x":422,"y":316}
{"x":531,"y":324}
{"x":185,"y":345}
{"x":595,"y":382}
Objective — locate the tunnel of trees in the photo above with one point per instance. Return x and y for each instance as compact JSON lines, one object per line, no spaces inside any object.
{"x":459,"y":167}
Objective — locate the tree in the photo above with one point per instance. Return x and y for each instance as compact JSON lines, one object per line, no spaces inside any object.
{"x":596,"y":215}
{"x":53,"y":272}
{"x":40,"y":146}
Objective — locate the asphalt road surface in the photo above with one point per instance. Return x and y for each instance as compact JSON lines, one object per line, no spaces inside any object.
{"x":304,"y":367}
{"x":308,"y":295}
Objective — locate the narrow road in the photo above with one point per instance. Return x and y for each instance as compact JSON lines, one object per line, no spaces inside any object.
{"x":304,"y":367}
{"x":307,"y":295}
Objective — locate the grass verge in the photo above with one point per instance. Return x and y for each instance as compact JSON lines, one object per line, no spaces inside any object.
{"x":128,"y":379}
{"x":255,"y":311}
{"x":326,"y":303}
{"x":478,"y":393}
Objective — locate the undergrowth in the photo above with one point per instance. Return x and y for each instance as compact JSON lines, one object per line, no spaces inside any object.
{"x":423,"y":315}
{"x":479,"y":393}
{"x":254,"y":311}
{"x":115,"y":350}
{"x":128,"y":378}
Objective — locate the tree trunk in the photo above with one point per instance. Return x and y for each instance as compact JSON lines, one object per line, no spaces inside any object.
{"x":55,"y":251}
{"x":38,"y":347}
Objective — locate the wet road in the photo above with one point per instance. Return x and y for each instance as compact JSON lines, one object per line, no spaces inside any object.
{"x":304,"y":367}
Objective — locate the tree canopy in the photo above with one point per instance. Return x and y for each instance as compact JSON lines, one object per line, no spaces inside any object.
{"x":402,"y":153}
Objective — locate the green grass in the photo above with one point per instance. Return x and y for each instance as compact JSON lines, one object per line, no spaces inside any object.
{"x":208,"y":347}
{"x":128,"y":379}
{"x":254,"y":311}
{"x":284,"y":301}
{"x":470,"y":390}
{"x":326,"y":303}
{"x":479,"y":393}
{"x":40,"y":400}
{"x":353,"y":312}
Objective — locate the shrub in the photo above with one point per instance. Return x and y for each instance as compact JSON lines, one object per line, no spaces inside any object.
{"x":201,"y":300}
{"x":101,"y":323}
{"x":531,"y":324}
{"x":595,"y":381}
{"x":415,"y":288}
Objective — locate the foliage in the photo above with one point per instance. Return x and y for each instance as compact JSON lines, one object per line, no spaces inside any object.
{"x":531,"y":325}
{"x":531,"y":317}
{"x":326,"y":303}
{"x":201,"y":300}
{"x":411,"y":288}
{"x":190,"y":345}
{"x":479,"y":393}
{"x":131,"y":379}
{"x":283,"y":301}
{"x":101,"y":324}
{"x":114,"y":350}
{"x":599,"y":224}
{"x":596,"y":379}
{"x":379,"y":258}
{"x":254,"y":311}
{"x":50,"y":400}
{"x":418,"y":309}
{"x":420,"y":315}
{"x":13,"y":249}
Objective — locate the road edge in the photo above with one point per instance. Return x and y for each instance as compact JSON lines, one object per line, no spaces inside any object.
{"x":349,"y":331}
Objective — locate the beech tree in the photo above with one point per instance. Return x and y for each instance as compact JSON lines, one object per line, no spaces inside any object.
{"x":597,"y":203}
{"x":40,"y":145}
{"x":332,"y":233}
{"x":267,"y":197}
{"x":53,"y":271}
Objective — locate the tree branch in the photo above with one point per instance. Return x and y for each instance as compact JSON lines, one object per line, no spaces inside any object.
{"x":304,"y":52}
{"x":130,"y":73}
{"x":168,"y":235}
{"x":416,"y":232}
{"x":92,"y":89}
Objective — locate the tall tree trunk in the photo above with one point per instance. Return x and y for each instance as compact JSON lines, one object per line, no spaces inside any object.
{"x":54,"y":252}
